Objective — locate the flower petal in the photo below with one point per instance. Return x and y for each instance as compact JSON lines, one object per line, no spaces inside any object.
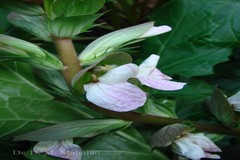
{"x":156,"y":31}
{"x":235,"y":101}
{"x":184,"y":147}
{"x":62,"y":149}
{"x":148,"y":65}
{"x":120,"y":97}
{"x":120,"y":74}
{"x":158,"y":82}
{"x":212,"y":156}
{"x":204,"y":142}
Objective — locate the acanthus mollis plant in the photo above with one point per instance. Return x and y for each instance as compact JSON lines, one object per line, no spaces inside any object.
{"x":102,"y":103}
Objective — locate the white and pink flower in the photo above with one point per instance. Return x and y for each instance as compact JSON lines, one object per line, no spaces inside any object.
{"x":113,"y":91}
{"x":61,"y":149}
{"x":195,"y":147}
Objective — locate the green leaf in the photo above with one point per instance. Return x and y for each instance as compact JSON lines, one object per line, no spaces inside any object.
{"x":35,"y":25}
{"x":26,"y":107}
{"x":160,"y":107}
{"x":221,"y":109}
{"x":18,"y":49}
{"x":68,"y":27}
{"x":196,"y":42}
{"x":193,"y":61}
{"x":48,"y":6}
{"x":67,"y":130}
{"x":120,"y":146}
{"x":77,"y":7}
{"x":226,"y":17}
{"x":22,"y":7}
{"x":200,"y":89}
{"x":4,"y":23}
{"x":167,"y":134}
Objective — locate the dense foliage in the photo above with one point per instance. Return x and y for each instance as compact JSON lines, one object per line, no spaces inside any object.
{"x":51,"y":55}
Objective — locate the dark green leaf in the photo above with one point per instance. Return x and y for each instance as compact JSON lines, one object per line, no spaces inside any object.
{"x":26,"y":107}
{"x":120,"y":146}
{"x":35,"y":25}
{"x":22,"y":7}
{"x":200,"y":89}
{"x":221,"y":109}
{"x":197,"y":38}
{"x":4,"y":24}
{"x":66,"y":27}
{"x":77,"y":7}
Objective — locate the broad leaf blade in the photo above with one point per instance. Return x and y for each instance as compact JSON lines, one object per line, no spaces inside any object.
{"x":221,"y":109}
{"x":26,"y":107}
{"x":67,"y":130}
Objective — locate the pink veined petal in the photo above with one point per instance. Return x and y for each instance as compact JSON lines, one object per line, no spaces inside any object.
{"x":120,"y":74}
{"x":157,"y":74}
{"x":147,"y":66}
{"x":156,"y":31}
{"x":62,"y":149}
{"x":120,"y":97}
{"x":66,"y":151}
{"x":161,"y":84}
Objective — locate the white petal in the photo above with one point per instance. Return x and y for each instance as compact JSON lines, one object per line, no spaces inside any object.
{"x":157,"y":83}
{"x":156,"y":31}
{"x":212,"y":156}
{"x":235,"y":101}
{"x":148,"y":65}
{"x":62,"y":149}
{"x":120,"y":74}
{"x":204,"y":142}
{"x":121,"y":97}
{"x":184,"y":147}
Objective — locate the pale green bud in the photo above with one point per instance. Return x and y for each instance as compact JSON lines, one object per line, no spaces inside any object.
{"x":99,"y":48}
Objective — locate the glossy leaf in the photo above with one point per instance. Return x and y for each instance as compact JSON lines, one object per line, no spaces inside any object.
{"x":196,"y":39}
{"x":24,"y":105}
{"x":121,"y":146}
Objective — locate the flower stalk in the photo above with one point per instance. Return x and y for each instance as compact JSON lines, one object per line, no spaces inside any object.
{"x":68,"y":56}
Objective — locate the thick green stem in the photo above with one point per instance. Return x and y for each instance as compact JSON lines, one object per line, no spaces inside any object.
{"x":68,"y":56}
{"x":161,"y":121}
